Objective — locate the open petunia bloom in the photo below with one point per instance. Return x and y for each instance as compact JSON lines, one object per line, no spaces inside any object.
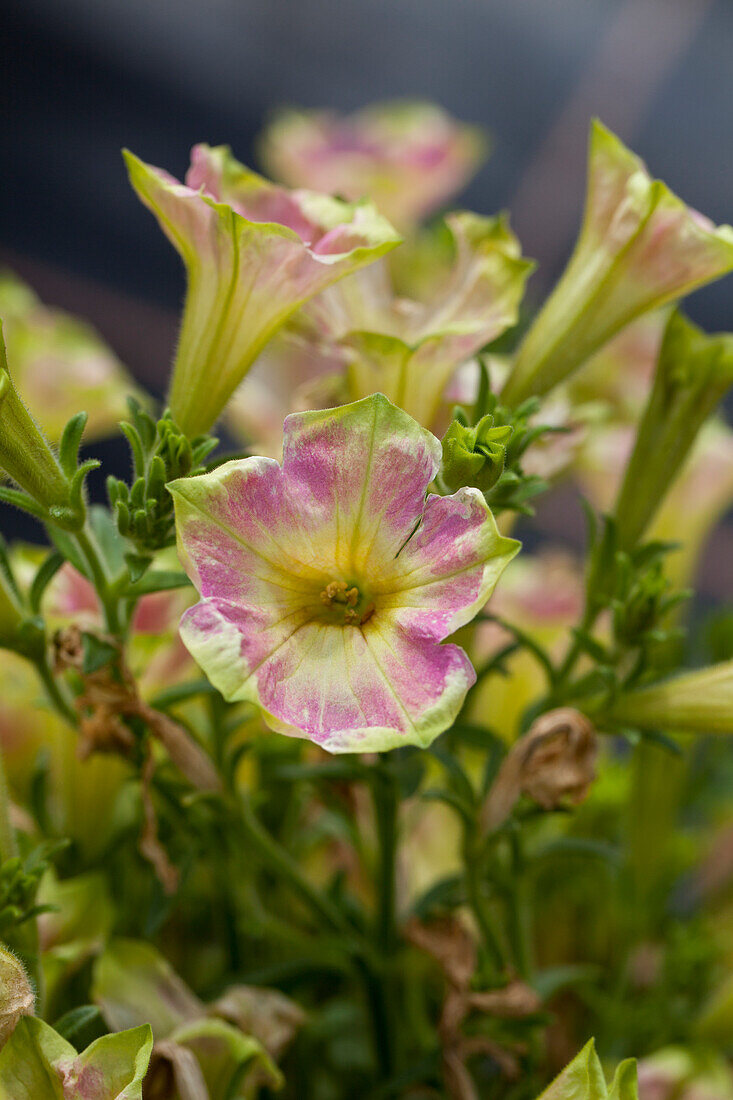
{"x":409,"y":158}
{"x":328,"y":583}
{"x":410,"y":350}
{"x":253,"y":252}
{"x":639,"y":247}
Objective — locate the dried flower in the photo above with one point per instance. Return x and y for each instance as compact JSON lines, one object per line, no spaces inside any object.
{"x":554,"y":761}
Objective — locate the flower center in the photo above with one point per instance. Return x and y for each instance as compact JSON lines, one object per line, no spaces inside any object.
{"x":346,"y":603}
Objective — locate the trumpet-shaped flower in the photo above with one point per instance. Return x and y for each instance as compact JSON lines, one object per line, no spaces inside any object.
{"x":409,"y":350}
{"x":253,"y":252}
{"x":697,"y":702}
{"x":328,"y":583}
{"x":639,"y":247}
{"x":408,"y":158}
{"x":60,"y":364}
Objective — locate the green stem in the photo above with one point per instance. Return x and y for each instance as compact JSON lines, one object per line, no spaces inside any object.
{"x":28,"y":943}
{"x":277,"y":859}
{"x":8,"y":844}
{"x":92,"y":554}
{"x":381,"y":991}
{"x":57,"y":696}
{"x":477,"y":901}
{"x":517,"y":909}
{"x":385,"y":809}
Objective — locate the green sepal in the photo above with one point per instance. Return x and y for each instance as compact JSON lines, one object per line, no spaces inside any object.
{"x":38,"y":1064}
{"x":70,"y":443}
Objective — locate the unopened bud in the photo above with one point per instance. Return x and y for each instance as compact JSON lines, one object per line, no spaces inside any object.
{"x":474,"y":456}
{"x":25,"y":454}
{"x":553,"y":762}
{"x":16,"y":994}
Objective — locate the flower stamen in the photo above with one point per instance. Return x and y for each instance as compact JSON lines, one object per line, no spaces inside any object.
{"x":356,"y":610}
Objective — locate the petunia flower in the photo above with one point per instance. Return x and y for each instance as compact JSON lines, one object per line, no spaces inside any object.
{"x":639,"y":247}
{"x":328,"y":583}
{"x":253,"y":252}
{"x":696,"y":702}
{"x":61,"y":365}
{"x":408,"y":158}
{"x":409,"y":350}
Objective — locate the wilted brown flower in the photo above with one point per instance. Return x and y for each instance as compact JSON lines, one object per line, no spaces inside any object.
{"x":554,"y":761}
{"x":448,"y":941}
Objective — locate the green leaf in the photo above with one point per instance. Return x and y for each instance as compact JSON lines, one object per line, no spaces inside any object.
{"x":43,"y":578}
{"x":226,"y":1057}
{"x":624,"y":1085}
{"x":122,"y":1062}
{"x":137,"y":565}
{"x":72,"y":1023}
{"x":582,"y":1079}
{"x":22,"y":501}
{"x":133,"y":983}
{"x":28,"y":1059}
{"x":96,"y":653}
{"x":159,"y":580}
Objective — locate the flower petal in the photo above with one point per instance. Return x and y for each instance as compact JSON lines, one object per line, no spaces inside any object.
{"x":639,"y":248}
{"x":347,"y":689}
{"x":448,"y":569}
{"x":247,"y":271}
{"x":408,"y":158}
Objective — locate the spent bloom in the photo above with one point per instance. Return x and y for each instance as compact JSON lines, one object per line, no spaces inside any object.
{"x":639,"y":247}
{"x":409,"y":158}
{"x":254,"y":252}
{"x":328,"y":583}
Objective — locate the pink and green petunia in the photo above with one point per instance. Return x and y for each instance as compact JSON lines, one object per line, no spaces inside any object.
{"x":328,"y":583}
{"x":254,"y":253}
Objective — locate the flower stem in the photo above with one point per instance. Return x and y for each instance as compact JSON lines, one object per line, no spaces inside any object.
{"x":87,"y":544}
{"x":8,"y":844}
{"x":380,"y":988}
{"x":57,"y":696}
{"x":477,"y":901}
{"x":277,"y":859}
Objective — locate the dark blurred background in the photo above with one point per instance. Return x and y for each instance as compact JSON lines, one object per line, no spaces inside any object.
{"x":82,"y":78}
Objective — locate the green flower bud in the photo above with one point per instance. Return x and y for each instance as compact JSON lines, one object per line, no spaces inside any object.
{"x":693,"y":374}
{"x":25,"y":454}
{"x":474,"y":456}
{"x":697,"y":702}
{"x":16,"y":994}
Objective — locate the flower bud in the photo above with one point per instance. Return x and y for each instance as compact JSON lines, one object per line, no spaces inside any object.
{"x":25,"y":454}
{"x":696,"y":702}
{"x":474,"y":456}
{"x":554,"y":761}
{"x":693,"y":374}
{"x":639,"y":247}
{"x":16,"y":994}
